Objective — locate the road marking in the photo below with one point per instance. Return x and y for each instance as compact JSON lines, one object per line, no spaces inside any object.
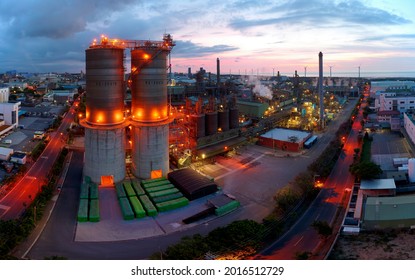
{"x":5,"y":207}
{"x":237,"y":169}
{"x":45,"y":157}
{"x":299,"y":240}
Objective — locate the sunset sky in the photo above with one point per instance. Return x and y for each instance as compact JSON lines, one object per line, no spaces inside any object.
{"x":249,"y":36}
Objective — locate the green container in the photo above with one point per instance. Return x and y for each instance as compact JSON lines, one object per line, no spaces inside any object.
{"x":172,"y":204}
{"x":148,"y":205}
{"x":167,"y":197}
{"x":156,"y":184}
{"x":126,"y":210}
{"x":87,"y":179}
{"x":163,"y":193}
{"x":128,"y":189}
{"x":160,"y":188}
{"x":93,"y":191}
{"x":94,"y":211}
{"x":119,"y":188}
{"x":84,"y":192}
{"x":143,"y":182}
{"x":227,"y":208}
{"x":137,"y":207}
{"x":83,"y":210}
{"x":137,"y":188}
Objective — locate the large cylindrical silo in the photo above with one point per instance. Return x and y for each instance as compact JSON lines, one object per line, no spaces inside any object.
{"x":105,"y":85}
{"x":233,"y":118}
{"x":149,"y":85}
{"x":104,"y":123}
{"x":223,"y":120}
{"x":149,"y":111}
{"x":199,"y":125}
{"x":211,"y":122}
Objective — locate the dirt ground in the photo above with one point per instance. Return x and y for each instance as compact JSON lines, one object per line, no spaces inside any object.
{"x":395,"y":245}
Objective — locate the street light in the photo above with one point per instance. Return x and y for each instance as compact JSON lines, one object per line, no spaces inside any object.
{"x":316,"y":183}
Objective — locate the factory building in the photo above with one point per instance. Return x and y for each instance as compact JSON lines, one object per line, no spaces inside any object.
{"x":106,"y":118}
{"x":284,"y":139}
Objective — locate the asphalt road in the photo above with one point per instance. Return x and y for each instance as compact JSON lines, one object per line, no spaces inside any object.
{"x":14,"y":203}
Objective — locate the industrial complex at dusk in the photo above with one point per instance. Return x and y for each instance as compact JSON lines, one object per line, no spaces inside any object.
{"x":153,"y":152}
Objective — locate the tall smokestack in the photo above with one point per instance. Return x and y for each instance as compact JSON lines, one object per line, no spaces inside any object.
{"x":320,"y":88}
{"x":217,"y":72}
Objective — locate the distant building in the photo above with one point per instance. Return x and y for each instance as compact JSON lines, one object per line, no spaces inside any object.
{"x":284,"y":139}
{"x":62,"y":96}
{"x":409,"y":126}
{"x":392,"y":101}
{"x":4,"y":93}
{"x":18,"y":157}
{"x":390,"y":117}
{"x":9,"y":112}
{"x":251,"y":109}
{"x":18,"y":84}
{"x":379,"y":86}
{"x":389,"y":212}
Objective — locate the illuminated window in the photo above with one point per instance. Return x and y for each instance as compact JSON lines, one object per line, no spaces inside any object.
{"x":156,"y":174}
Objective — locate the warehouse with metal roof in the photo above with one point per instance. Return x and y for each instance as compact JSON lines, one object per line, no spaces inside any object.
{"x":191,"y":183}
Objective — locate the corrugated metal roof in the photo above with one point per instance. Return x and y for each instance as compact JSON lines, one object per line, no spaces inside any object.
{"x":378,"y":184}
{"x":390,"y":208}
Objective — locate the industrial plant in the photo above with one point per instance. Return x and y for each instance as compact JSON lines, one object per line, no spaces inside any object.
{"x":142,"y":122}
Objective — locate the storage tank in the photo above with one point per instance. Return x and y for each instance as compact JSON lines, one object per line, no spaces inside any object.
{"x":105,"y":85}
{"x":233,"y":118}
{"x":223,"y":120}
{"x":104,"y":123}
{"x":211,"y":123}
{"x":149,"y":111}
{"x":411,"y":170}
{"x":149,"y":84}
{"x":199,"y":125}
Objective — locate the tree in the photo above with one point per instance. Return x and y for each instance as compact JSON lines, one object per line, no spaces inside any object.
{"x":323,"y":228}
{"x":366,"y":170}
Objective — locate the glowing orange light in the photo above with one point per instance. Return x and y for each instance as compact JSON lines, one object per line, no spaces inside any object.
{"x":146,"y":56}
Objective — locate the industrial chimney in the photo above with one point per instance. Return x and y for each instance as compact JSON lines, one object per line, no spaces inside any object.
{"x":218,"y":72}
{"x":320,"y":88}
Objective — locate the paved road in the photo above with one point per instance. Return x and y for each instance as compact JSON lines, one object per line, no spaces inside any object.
{"x":302,"y":237}
{"x":13,"y":204}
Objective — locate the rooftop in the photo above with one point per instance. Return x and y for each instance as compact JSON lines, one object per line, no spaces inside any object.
{"x":390,"y":208}
{"x":283,"y":134}
{"x":378,"y":184}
